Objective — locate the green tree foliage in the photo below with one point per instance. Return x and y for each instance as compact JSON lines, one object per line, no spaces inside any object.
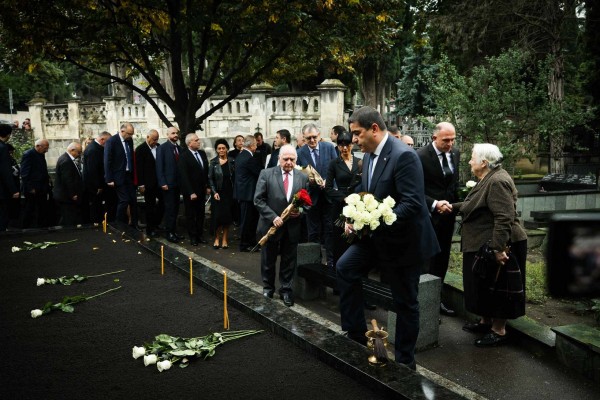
{"x":188,"y":51}
{"x":414,"y":96}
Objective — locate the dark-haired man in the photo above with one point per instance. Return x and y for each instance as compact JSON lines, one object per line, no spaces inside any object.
{"x":282,"y":137}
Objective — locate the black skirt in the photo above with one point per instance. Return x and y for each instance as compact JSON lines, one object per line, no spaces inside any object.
{"x":482,"y":300}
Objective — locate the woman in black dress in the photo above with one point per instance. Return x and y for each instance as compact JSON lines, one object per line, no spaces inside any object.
{"x":220,"y":178}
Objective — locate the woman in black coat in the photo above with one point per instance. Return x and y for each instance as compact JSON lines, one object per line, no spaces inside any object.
{"x":221,"y":179}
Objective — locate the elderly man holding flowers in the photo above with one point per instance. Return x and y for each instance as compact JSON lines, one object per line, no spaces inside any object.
{"x":390,"y":169}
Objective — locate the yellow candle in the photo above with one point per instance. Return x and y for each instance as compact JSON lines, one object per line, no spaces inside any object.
{"x":191,"y":275}
{"x":104,"y":222}
{"x":225,"y":314}
{"x":162,"y":260}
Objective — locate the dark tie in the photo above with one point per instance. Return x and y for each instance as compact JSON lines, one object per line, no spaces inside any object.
{"x":371,"y":168}
{"x":286,"y":182}
{"x":128,"y":156}
{"x":316,"y":157}
{"x":198,"y":158}
{"x":78,"y":165}
{"x":176,"y":153}
{"x":445,"y":166}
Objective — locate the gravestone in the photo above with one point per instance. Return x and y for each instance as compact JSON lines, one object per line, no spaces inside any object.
{"x":560,"y":182}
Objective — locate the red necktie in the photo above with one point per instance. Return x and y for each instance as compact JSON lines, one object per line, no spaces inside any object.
{"x":285,"y":183}
{"x":176,"y":153}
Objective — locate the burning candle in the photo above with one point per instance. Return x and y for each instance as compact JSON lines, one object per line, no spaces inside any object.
{"x":191,"y":276}
{"x":162,"y":260}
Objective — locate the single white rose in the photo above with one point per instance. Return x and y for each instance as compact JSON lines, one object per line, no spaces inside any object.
{"x":368,"y":197}
{"x":360,"y":206}
{"x":352,"y":199}
{"x":349,"y":211}
{"x":374,"y":224}
{"x":389,"y":201}
{"x":298,"y":167}
{"x":358,"y":225}
{"x":15,"y":249}
{"x":150,"y":359}
{"x":36,"y":313}
{"x":138,"y":352}
{"x":163,"y":365}
{"x":371,"y":204}
{"x":390,"y":218}
{"x":375,"y":215}
{"x":40,"y":281}
{"x":470,"y":184}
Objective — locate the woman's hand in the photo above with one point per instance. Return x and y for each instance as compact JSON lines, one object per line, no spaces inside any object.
{"x":216,"y":196}
{"x":501,"y":257}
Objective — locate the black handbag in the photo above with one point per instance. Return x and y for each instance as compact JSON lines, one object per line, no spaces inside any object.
{"x":484,"y":265}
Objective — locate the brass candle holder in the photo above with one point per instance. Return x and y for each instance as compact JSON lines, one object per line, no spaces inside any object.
{"x":371,"y":335}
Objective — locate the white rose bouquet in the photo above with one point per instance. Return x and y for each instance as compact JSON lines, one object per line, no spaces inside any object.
{"x":365,"y":212}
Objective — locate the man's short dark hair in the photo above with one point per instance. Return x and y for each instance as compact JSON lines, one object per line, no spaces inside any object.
{"x":285,"y":134}
{"x":5,"y":130}
{"x":257,"y":134}
{"x":366,"y":117}
{"x":338,"y":129}
{"x":393,"y":129}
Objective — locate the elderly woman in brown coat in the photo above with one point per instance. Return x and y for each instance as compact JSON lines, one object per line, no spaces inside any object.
{"x":489,"y":216}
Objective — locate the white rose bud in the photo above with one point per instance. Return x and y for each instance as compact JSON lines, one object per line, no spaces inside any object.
{"x":36,"y":313}
{"x":149,"y":360}
{"x":40,"y":281}
{"x":138,"y":352}
{"x":471,"y":184}
{"x":352,"y":199}
{"x":389,"y":201}
{"x":15,"y":249}
{"x":163,"y":365}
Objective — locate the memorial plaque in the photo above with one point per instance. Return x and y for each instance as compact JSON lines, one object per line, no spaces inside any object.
{"x":558,"y":182}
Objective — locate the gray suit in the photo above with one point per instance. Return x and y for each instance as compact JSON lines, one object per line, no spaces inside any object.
{"x":270,"y":200}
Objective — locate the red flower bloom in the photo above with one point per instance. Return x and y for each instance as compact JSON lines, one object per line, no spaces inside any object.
{"x":302,"y":198}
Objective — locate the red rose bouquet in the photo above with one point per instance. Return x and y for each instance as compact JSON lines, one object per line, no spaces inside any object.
{"x":300,"y":201}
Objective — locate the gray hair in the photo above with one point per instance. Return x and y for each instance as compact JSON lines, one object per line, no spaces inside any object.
{"x":309,"y":128}
{"x":488,"y":152}
{"x":103,"y":134}
{"x":288,"y":149}
{"x":188,"y":138}
{"x":249,"y":140}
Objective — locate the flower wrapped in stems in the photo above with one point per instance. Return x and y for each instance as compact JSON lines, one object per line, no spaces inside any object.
{"x":68,"y":280}
{"x":464,"y":191}
{"x":41,"y":245}
{"x":300,"y":201}
{"x":66,"y":305}
{"x":312,"y":174}
{"x":366,"y":213}
{"x":167,"y":350}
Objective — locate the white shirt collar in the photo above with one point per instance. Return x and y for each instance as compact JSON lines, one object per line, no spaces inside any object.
{"x":380,"y":145}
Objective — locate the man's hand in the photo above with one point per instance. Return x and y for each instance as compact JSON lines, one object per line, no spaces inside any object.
{"x":278,"y":222}
{"x":443,"y":207}
{"x":74,"y":198}
{"x":193,"y":196}
{"x":295,"y":213}
{"x":216,"y":196}
{"x":111,"y":184}
{"x":16,"y":195}
{"x":142,"y":189}
{"x":165,"y":187}
{"x":348,"y":228}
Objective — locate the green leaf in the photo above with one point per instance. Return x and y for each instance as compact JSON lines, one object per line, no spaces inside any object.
{"x":67,"y":308}
{"x":183,"y":365}
{"x":164,"y":338}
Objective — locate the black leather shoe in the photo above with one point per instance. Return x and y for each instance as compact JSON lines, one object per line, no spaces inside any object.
{"x":446,"y":311}
{"x":288,"y":298}
{"x":172,"y":238}
{"x":268,"y":293}
{"x":358,"y":337}
{"x":477,"y":328}
{"x":490,"y":340}
{"x":194,"y":242}
{"x":369,"y":306}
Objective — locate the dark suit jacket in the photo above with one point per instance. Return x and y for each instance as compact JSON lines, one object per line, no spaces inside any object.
{"x":68,"y":182}
{"x":274,"y":160}
{"x":192,"y":177}
{"x":93,"y":167}
{"x":115,"y":160}
{"x":34,"y":172}
{"x":438,"y":187}
{"x":247,"y":169}
{"x":490,"y":213}
{"x":166,"y":165}
{"x":326,"y":154}
{"x":7,"y":183}
{"x":145,"y":166}
{"x":342,"y":181}
{"x":270,"y":201}
{"x":398,"y":173}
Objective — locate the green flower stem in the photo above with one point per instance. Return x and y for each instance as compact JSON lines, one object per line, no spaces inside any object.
{"x":100,"y":294}
{"x":107,"y":273}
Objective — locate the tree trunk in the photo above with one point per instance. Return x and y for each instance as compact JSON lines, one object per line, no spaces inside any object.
{"x":556,"y":87}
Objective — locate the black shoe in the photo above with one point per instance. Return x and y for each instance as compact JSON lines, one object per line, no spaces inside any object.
{"x":477,"y":328}
{"x":203,"y":241}
{"x":358,"y":337}
{"x":370,"y":306}
{"x":446,"y":311}
{"x":268,"y":293}
{"x":216,"y":246}
{"x":152,"y":234}
{"x":490,"y":340}
{"x":179,"y":237}
{"x":288,"y":298}
{"x":172,"y":238}
{"x":194,"y":242}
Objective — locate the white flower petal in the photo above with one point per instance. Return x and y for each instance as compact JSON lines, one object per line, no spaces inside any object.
{"x":163,"y":365}
{"x":138,"y":352}
{"x":15,"y":249}
{"x":36,"y":313}
{"x":150,"y":359}
{"x":40,"y":281}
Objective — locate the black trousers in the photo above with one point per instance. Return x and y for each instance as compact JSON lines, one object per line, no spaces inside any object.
{"x":35,"y":209}
{"x":155,"y":208}
{"x":95,"y":206}
{"x":171,"y":198}
{"x":70,"y":213}
{"x":287,"y":265}
{"x":127,"y":199}
{"x":444,"y":228}
{"x":248,"y":223}
{"x":194,"y":216}
{"x":320,"y":226}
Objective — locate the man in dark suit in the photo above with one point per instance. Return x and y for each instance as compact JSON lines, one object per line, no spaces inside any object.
{"x":318,"y":154}
{"x":93,"y":176}
{"x":263,"y":149}
{"x":167,"y":157}
{"x":119,"y":172}
{"x":35,"y":184}
{"x":68,"y":185}
{"x":440,"y":167}
{"x":8,"y":189}
{"x":282,"y":137}
{"x":274,"y":192}
{"x":247,"y":169}
{"x":145,"y":167}
{"x":390,"y":168}
{"x":193,"y":176}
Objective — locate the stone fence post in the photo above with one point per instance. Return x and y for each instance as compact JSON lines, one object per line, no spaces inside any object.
{"x":36,"y":111}
{"x":332,"y":104}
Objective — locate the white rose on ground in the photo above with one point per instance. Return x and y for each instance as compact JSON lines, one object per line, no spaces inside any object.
{"x":40,"y":281}
{"x":138,"y":352}
{"x":163,"y":365}
{"x":471,"y":184}
{"x":15,"y":249}
{"x":352,"y":199}
{"x":36,"y":313}
{"x":389,"y":201}
{"x":149,"y":360}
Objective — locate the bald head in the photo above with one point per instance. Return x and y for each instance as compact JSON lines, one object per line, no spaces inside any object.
{"x":42,"y":146}
{"x":74,"y":149}
{"x":408,"y":140}
{"x":443,"y":136}
{"x":152,"y":138}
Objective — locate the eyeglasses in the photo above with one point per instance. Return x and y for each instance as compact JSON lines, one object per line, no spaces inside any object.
{"x":311,"y":137}
{"x":289,"y":159}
